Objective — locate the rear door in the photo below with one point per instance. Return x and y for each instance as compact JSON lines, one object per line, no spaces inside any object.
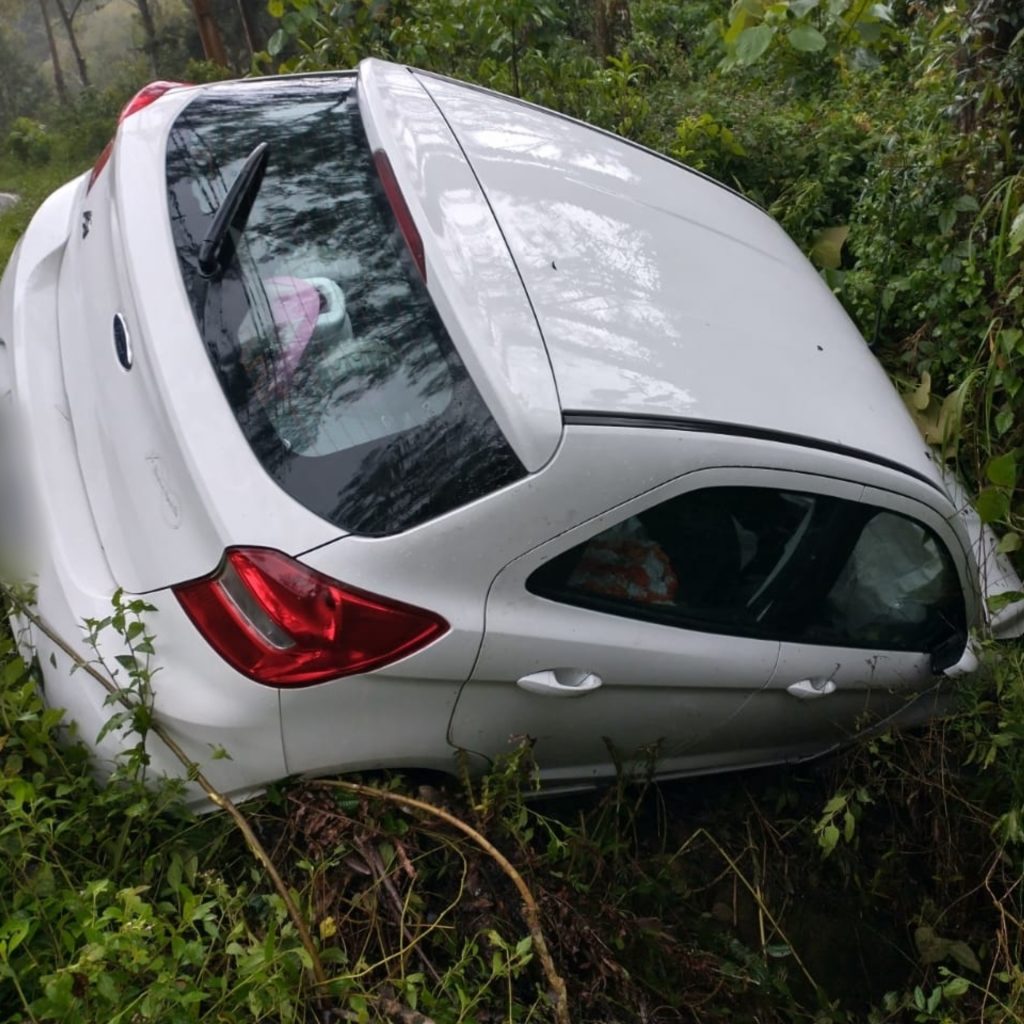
{"x":592,"y":649}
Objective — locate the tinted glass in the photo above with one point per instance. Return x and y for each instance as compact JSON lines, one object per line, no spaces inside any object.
{"x":327,"y":345}
{"x":778,"y":564}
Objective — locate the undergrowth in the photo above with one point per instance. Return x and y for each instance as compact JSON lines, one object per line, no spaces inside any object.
{"x":884,"y":885}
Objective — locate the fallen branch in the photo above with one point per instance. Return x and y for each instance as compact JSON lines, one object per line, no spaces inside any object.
{"x":531,"y":912}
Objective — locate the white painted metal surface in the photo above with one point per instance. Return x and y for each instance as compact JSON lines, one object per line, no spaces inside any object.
{"x":470,"y":273}
{"x":171,"y":479}
{"x":659,"y":292}
{"x":202,"y":702}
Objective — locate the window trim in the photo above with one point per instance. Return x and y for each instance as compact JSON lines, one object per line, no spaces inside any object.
{"x":714,"y":477}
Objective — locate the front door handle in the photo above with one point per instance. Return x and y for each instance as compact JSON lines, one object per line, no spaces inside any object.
{"x":560,"y":682}
{"x":811,"y":689}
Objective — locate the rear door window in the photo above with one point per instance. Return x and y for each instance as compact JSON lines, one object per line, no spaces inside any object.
{"x":759,"y":562}
{"x":328,"y":347}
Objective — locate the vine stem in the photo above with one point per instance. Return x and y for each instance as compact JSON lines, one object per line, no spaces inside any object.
{"x":531,"y":912}
{"x":218,"y":798}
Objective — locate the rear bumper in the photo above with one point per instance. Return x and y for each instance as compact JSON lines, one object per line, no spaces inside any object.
{"x":56,"y":548}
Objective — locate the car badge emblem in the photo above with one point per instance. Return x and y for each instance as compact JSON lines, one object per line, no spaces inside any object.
{"x":122,"y":342}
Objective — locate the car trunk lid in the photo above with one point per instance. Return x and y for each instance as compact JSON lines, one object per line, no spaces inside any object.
{"x":170,"y":480}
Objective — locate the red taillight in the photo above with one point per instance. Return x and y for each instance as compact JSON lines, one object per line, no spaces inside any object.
{"x":282,"y":623}
{"x":146,"y":95}
{"x":400,"y":210}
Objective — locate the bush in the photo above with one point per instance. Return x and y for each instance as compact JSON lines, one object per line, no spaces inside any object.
{"x":29,"y":141}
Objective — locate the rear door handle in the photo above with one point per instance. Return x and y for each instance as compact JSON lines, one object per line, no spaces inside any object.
{"x":560,"y":682}
{"x":811,"y":689}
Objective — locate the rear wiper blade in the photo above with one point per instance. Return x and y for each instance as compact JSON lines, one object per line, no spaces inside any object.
{"x":218,"y":247}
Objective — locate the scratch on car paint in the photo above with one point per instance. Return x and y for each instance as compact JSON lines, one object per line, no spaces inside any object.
{"x":171,"y":508}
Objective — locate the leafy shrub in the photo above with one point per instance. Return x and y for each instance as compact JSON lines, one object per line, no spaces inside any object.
{"x":29,"y":141}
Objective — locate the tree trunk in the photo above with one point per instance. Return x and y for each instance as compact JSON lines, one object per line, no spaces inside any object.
{"x":987,"y":70}
{"x":209,"y":33}
{"x":612,"y":22}
{"x":243,"y":15}
{"x":69,"y":27}
{"x":58,"y":75}
{"x":149,"y":30}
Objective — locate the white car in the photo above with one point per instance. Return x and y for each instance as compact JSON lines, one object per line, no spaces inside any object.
{"x":429,"y":419}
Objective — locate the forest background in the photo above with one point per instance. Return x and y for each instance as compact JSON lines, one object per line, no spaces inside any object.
{"x":882,"y":885}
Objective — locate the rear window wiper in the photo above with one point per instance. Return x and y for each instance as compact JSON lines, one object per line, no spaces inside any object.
{"x":218,"y":247}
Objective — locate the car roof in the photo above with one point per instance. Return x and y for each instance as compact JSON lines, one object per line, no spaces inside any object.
{"x":660,"y":293}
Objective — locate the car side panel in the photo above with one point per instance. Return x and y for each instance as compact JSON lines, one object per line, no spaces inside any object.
{"x":395,"y":715}
{"x":669,"y":692}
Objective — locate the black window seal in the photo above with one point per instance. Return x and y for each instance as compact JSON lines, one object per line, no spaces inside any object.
{"x":575,"y":417}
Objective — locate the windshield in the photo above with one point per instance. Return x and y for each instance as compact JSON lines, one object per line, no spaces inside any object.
{"x":327,"y":345}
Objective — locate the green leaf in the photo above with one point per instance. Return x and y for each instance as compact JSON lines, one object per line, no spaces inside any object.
{"x":955,"y":987}
{"x":993,"y":505}
{"x":1009,"y":339}
{"x":930,"y":947}
{"x":806,"y":38}
{"x":800,"y":8}
{"x":1002,"y":471}
{"x":947,"y":218}
{"x":752,"y":42}
{"x":1010,"y":542}
{"x":275,"y":8}
{"x":1004,"y":420}
{"x":275,"y":44}
{"x":964,"y":956}
{"x":965,"y":204}
{"x":828,"y":839}
{"x":738,"y":24}
{"x":869,"y":32}
{"x":997,"y":602}
{"x":922,"y":395}
{"x":1017,"y":231}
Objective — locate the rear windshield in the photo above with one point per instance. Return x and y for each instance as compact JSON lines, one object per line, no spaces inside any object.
{"x":321,"y":331}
